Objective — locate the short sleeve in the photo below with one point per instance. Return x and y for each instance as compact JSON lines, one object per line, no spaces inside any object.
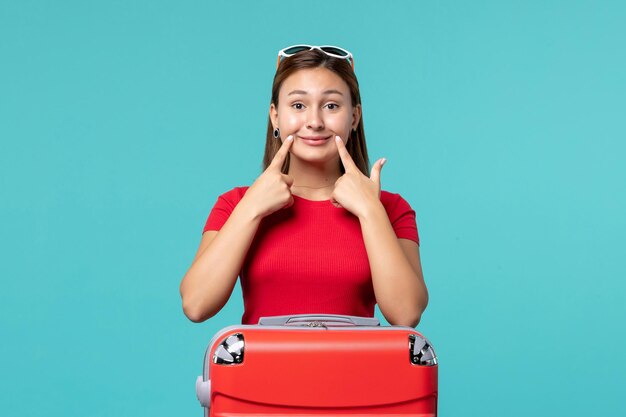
{"x":401,"y":216}
{"x":223,"y":208}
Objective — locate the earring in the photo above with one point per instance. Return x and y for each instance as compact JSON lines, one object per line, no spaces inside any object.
{"x":276,"y":133}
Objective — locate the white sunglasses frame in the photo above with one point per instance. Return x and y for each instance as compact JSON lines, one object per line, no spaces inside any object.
{"x":350,"y":57}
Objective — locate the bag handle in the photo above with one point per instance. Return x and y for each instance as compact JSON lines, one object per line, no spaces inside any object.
{"x":318,"y":320}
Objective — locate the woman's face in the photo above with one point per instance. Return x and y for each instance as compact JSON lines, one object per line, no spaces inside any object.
{"x":315,"y":106}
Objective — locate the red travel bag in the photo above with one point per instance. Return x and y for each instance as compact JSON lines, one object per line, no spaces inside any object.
{"x":308,"y":365}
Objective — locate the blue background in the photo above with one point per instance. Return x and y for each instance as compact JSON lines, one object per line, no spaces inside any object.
{"x":121,"y":122}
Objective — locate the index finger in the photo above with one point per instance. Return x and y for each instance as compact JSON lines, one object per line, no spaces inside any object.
{"x":281,"y":155}
{"x":346,"y":159}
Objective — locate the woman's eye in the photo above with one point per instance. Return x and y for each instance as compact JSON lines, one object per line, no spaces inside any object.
{"x":297,"y":106}
{"x":332,"y":106}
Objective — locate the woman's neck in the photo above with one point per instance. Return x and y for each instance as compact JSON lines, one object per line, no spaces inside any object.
{"x":313,"y":181}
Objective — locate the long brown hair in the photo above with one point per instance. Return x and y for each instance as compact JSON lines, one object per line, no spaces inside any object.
{"x":315,"y":59}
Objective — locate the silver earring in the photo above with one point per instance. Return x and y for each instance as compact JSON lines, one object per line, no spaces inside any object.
{"x":276,"y":133}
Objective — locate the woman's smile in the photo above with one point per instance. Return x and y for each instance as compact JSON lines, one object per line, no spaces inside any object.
{"x":315,"y":140}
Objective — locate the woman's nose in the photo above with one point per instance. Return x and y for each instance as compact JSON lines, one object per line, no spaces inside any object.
{"x":315,"y":121}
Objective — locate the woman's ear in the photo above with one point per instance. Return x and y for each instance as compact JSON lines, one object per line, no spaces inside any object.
{"x":356,"y":116}
{"x":274,"y":115}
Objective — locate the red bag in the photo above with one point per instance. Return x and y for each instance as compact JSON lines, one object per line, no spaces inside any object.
{"x":329,"y":365}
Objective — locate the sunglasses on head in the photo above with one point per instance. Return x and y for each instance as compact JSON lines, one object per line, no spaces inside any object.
{"x":334,"y":51}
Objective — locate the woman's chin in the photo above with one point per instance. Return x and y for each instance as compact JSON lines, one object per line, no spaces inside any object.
{"x":312,"y":158}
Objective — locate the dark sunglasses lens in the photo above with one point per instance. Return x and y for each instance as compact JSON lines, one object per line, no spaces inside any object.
{"x":335,"y":51}
{"x":296,"y":49}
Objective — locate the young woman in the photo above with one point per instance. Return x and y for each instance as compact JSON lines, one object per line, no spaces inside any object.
{"x":314,"y":233}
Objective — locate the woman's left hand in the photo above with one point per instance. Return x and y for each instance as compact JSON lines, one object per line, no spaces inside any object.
{"x":353,"y":190}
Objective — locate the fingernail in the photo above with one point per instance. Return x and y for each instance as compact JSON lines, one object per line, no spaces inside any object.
{"x":337,"y":138}
{"x":383,"y":162}
{"x":290,"y":137}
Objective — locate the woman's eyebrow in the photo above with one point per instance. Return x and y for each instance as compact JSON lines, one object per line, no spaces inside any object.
{"x":325,"y":92}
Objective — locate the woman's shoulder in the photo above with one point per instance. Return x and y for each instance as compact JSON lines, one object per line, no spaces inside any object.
{"x":234,"y":195}
{"x":223,"y":207}
{"x":401,"y":215}
{"x":391,"y":200}
{"x":236,"y":192}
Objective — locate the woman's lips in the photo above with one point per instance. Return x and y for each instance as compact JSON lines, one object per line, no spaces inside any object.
{"x":315,"y":140}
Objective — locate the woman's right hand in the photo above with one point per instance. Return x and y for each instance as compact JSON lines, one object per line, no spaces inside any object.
{"x":272,"y":189}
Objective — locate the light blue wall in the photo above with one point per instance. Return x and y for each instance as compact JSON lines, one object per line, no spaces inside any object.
{"x":121,"y":122}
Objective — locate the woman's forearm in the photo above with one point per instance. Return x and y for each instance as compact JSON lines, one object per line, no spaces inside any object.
{"x":400,"y":290}
{"x":210,"y":280}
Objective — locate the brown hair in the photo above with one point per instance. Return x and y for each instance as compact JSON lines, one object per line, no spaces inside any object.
{"x":318,"y":59}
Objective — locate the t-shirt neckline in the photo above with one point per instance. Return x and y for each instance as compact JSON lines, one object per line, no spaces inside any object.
{"x":306,"y":200}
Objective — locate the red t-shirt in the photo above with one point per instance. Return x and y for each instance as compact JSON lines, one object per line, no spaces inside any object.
{"x":310,"y":257}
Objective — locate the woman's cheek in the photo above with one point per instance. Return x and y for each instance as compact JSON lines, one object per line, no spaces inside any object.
{"x":291,"y":122}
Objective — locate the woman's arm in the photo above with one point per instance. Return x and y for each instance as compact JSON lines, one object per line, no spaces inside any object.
{"x":397,"y":276}
{"x":209,"y":282}
{"x":396,"y":271}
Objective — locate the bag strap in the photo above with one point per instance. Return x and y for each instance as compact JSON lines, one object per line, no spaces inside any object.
{"x":318,"y":320}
